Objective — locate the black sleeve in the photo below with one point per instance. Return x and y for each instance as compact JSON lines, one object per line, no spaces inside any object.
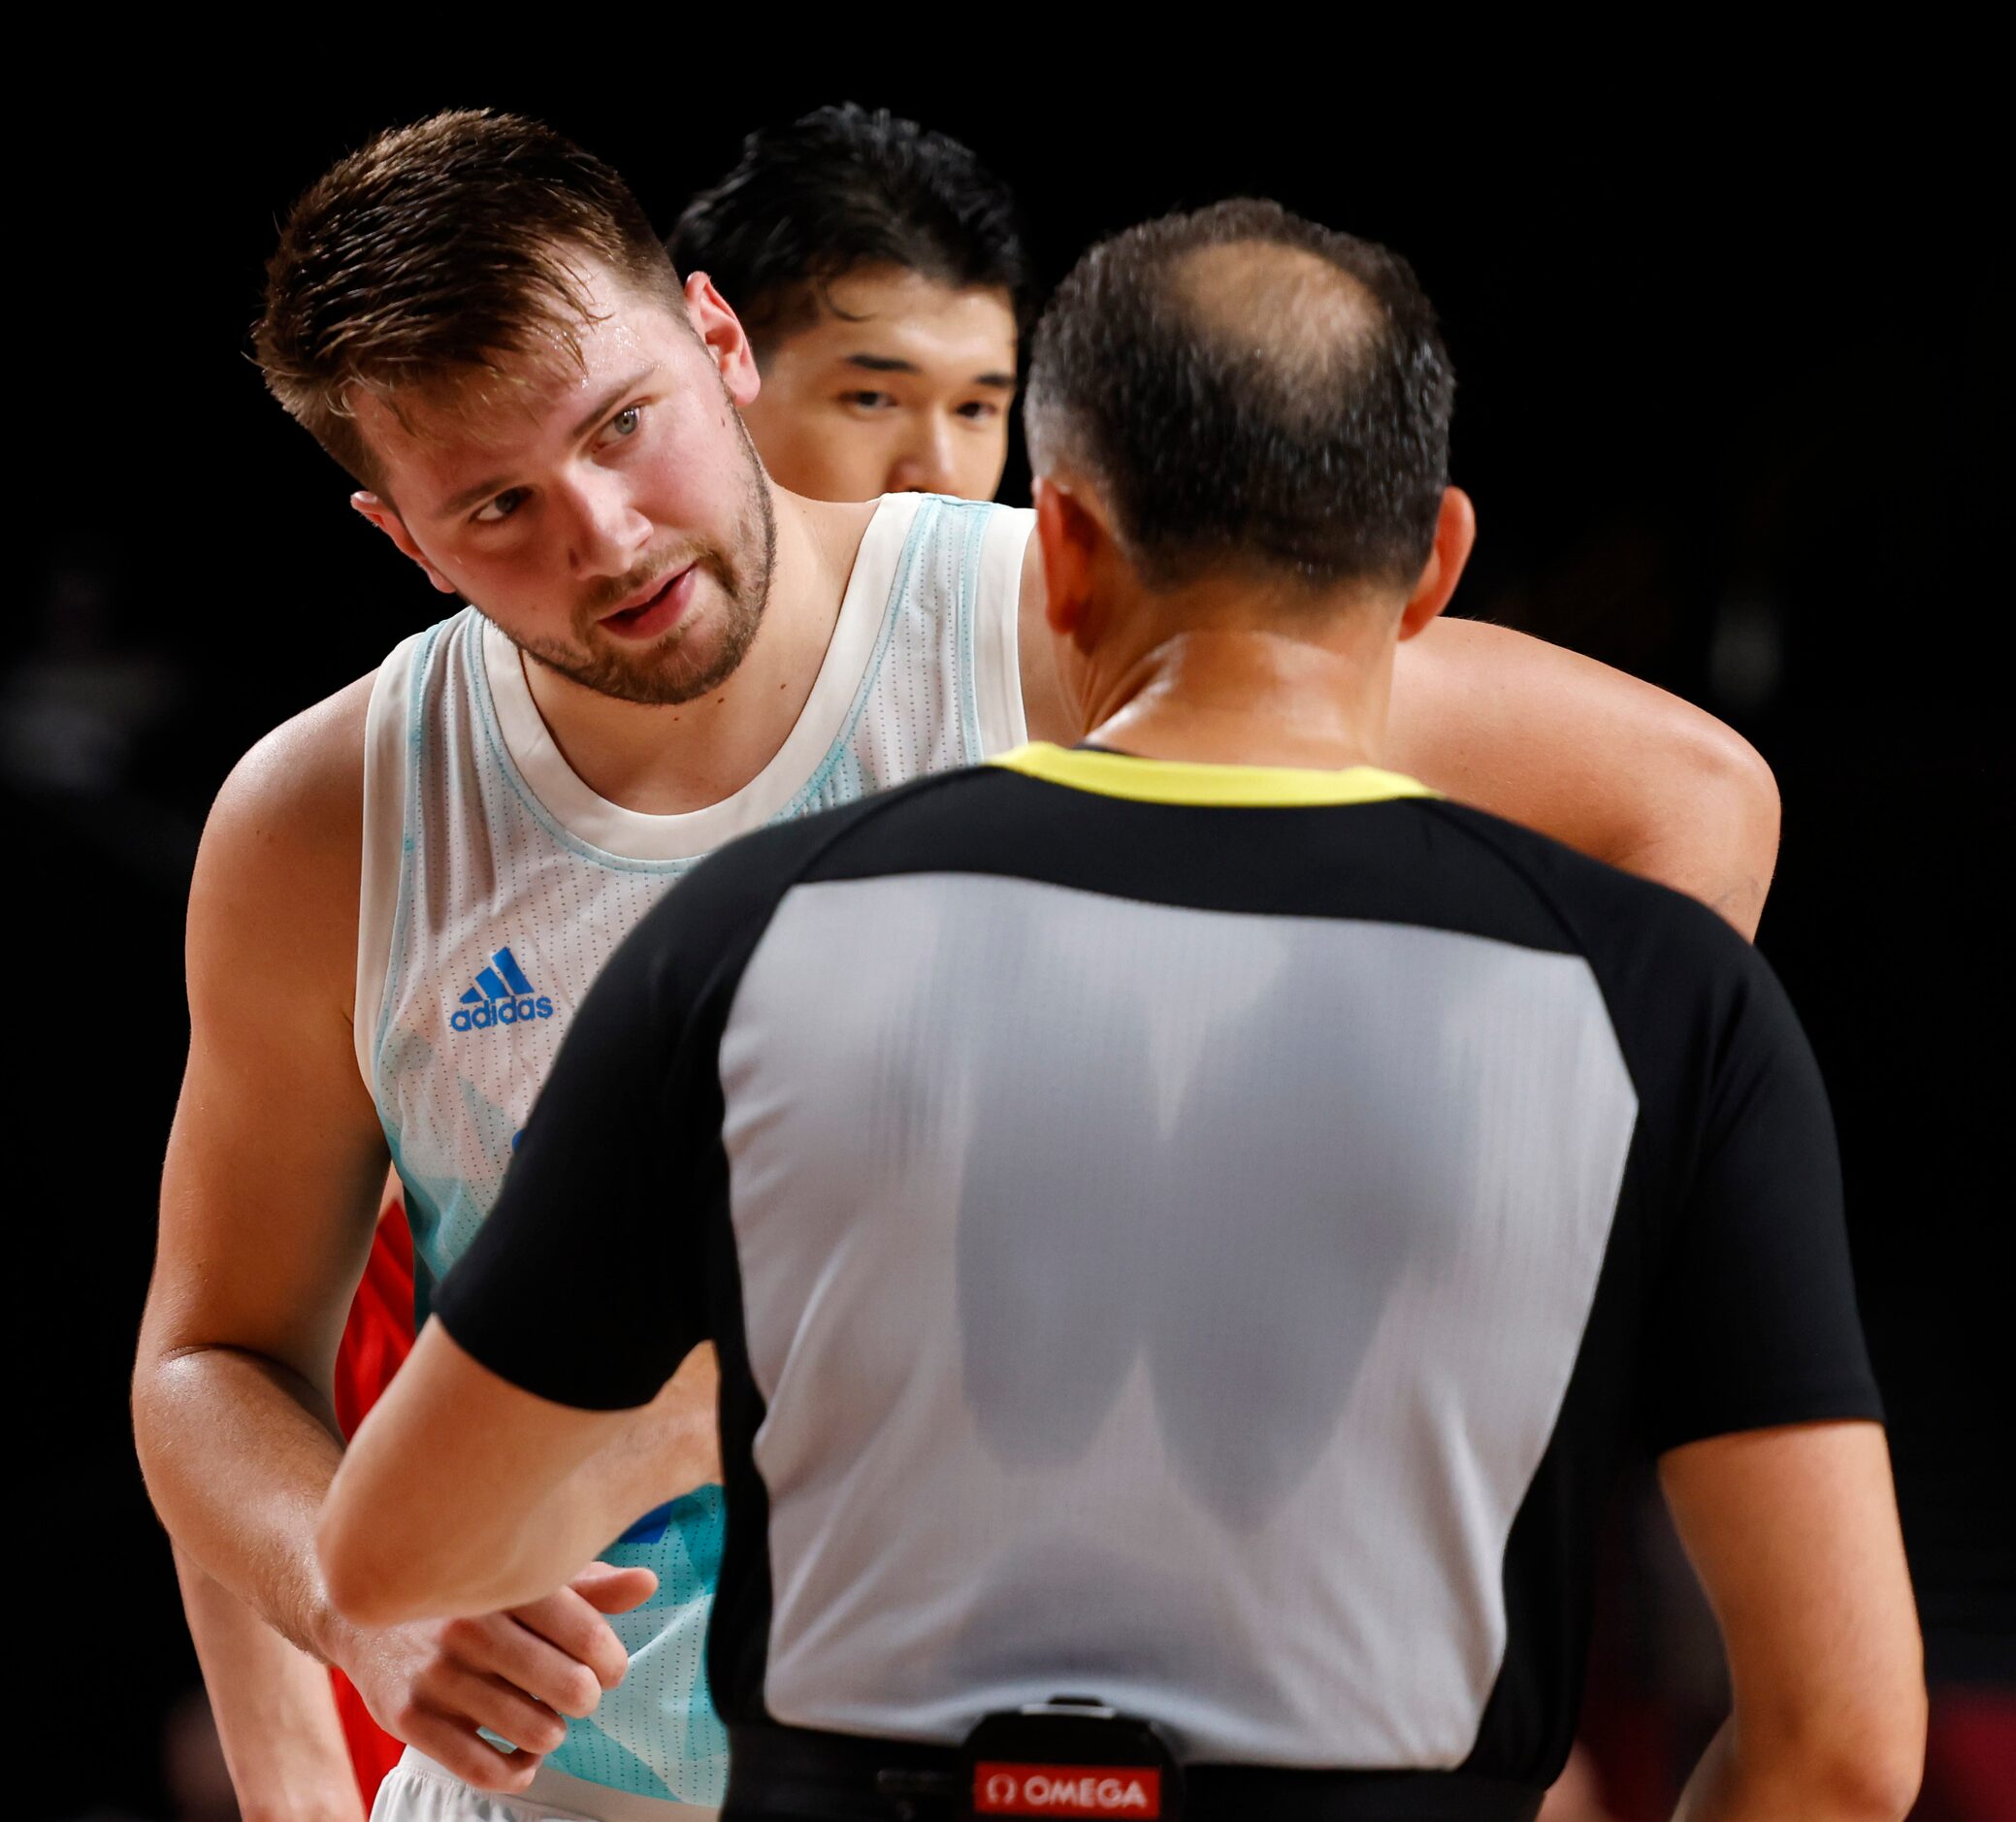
{"x":588,"y":1283}
{"x":1754,"y":1319}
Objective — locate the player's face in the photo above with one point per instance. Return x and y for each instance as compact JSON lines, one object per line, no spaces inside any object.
{"x":610,"y":516}
{"x":903,"y":386}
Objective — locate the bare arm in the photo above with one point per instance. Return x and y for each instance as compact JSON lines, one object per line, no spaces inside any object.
{"x":1794,"y":1533}
{"x":275,"y":1711}
{"x":269,"y":1195}
{"x":463,"y":1493}
{"x":668,"y":1449}
{"x":1596,"y":759}
{"x":271,"y":1180}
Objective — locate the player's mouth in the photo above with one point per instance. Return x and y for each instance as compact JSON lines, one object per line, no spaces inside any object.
{"x":649,"y":614}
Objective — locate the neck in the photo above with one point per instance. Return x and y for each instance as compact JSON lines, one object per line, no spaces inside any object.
{"x":1245,"y":697}
{"x":666,"y":759}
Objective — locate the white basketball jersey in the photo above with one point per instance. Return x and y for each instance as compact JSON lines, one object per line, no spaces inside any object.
{"x":496,"y":885}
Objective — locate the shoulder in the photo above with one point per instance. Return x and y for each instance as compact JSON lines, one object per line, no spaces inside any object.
{"x":300,"y":791}
{"x":302,"y":787}
{"x":281,"y":862}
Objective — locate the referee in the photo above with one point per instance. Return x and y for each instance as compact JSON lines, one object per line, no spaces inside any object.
{"x":1190,"y":1223}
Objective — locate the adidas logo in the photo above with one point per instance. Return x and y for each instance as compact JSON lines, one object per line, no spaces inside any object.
{"x":502,"y":995}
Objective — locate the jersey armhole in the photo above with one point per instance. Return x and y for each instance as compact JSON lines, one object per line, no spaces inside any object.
{"x":997,"y":632}
{"x":388,"y":742}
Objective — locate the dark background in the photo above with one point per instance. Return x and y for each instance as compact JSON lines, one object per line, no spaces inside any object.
{"x":1733,"y":407}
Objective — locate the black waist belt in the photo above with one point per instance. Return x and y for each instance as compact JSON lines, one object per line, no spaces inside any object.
{"x":793,"y":1774}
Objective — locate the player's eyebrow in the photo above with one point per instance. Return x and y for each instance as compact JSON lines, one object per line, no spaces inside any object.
{"x":496,"y":483}
{"x":606,"y":402}
{"x":887,"y":364}
{"x":470,"y":496}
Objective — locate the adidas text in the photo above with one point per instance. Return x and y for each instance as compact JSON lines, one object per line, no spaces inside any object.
{"x":501,"y":1012}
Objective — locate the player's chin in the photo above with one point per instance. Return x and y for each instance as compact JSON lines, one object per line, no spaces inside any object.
{"x":652,"y":675}
{"x":691,"y":667}
{"x":682,"y":679}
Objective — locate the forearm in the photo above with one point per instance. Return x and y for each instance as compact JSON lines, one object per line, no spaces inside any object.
{"x":671,"y":1448}
{"x":239,"y":1453}
{"x":275,"y":1711}
{"x":387,"y":1561}
{"x":668,"y":1449}
{"x":1743,"y":1777}
{"x":461,"y":1494}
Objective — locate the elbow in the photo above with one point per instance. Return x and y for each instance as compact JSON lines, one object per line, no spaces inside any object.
{"x":351,"y":1581}
{"x":166,"y":1408}
{"x":1877,"y":1779}
{"x":143,"y":1400}
{"x":1863,"y":1763}
{"x":1715,"y":835}
{"x":364,"y":1581}
{"x":385,"y":1564}
{"x":1736,"y":779}
{"x":1749,"y":789}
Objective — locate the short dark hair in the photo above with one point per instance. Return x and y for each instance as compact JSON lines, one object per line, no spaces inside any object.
{"x":842,"y":189}
{"x":437,"y":253}
{"x":1284,"y":405}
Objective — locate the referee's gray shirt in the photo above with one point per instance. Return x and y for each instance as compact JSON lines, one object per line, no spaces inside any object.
{"x":1197,"y":1234}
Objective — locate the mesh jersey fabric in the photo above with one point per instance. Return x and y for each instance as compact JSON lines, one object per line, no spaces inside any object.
{"x":496,"y":886}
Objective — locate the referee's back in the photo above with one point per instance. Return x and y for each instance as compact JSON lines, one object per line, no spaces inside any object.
{"x":1203,"y":1234}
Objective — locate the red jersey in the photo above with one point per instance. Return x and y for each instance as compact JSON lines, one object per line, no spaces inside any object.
{"x":376,"y":1339}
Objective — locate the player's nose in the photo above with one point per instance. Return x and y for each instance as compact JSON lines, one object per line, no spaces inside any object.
{"x":606,"y":533}
{"x":925,"y":462}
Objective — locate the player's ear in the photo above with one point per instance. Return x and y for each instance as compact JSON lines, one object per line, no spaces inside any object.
{"x":384,"y":515}
{"x":1456,"y":532}
{"x":1071,"y":536}
{"x":723,"y":336}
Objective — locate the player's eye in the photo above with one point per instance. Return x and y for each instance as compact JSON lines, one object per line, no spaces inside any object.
{"x":980,"y":411}
{"x":626,"y":423}
{"x":870,"y":400}
{"x":498,"y":509}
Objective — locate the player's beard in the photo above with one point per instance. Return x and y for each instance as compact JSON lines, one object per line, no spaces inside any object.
{"x":676,"y":668}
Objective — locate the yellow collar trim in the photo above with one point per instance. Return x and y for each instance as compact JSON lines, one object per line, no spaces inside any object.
{"x":1180,"y":781}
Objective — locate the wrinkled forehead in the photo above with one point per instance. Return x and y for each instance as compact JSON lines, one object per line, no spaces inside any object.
{"x":512,"y":404}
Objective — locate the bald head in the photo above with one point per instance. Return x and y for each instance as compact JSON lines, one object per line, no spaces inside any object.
{"x":1291,"y":312}
{"x":1251,"y":392}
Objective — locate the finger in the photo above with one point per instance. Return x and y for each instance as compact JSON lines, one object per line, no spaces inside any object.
{"x":452,"y":1742}
{"x":612,"y":1590}
{"x":498,"y":1646}
{"x":568,"y":1622}
{"x":501,"y":1706}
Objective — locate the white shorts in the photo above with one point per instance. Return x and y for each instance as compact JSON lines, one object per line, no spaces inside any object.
{"x":418,"y":1790}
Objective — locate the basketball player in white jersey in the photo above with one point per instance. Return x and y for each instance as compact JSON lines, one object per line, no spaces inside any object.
{"x":404,"y":892}
{"x":879,"y":270}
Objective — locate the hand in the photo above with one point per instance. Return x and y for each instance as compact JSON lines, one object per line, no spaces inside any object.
{"x":435,"y":1682}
